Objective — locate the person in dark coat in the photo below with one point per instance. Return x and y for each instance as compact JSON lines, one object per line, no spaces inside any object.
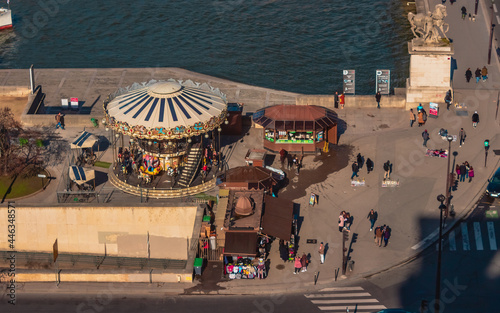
{"x":369,"y":165}
{"x":359,"y":159}
{"x":478,"y":75}
{"x":425,"y":136}
{"x":462,"y":136}
{"x":378,"y":96}
{"x":468,"y":74}
{"x":387,"y":235}
{"x":387,"y":170}
{"x":463,"y":171}
{"x":475,"y":119}
{"x":355,"y":170}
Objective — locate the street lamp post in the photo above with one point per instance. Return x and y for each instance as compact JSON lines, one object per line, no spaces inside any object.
{"x":491,"y":34}
{"x":449,"y":177}
{"x":437,"y":300}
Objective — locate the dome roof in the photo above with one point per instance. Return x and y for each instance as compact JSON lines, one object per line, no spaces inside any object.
{"x":244,"y":206}
{"x":167,"y":109}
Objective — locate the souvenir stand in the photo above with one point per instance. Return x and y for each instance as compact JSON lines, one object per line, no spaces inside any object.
{"x":297,"y":128}
{"x":167,"y":123}
{"x":80,"y":176}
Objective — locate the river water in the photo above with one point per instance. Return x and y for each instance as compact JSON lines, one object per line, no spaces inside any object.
{"x":282,"y":44}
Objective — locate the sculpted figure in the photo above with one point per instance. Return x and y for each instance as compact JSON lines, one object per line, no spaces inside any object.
{"x":429,"y":28}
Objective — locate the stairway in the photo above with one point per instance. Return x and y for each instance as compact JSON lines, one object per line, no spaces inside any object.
{"x":191,"y":167}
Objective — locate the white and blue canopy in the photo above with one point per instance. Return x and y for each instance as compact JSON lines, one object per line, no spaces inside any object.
{"x":168,"y":105}
{"x":80,"y":175}
{"x":84,"y":140}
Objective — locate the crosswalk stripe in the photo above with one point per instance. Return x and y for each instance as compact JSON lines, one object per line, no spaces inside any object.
{"x":344,"y":301}
{"x":465,"y":236}
{"x":342,"y":289}
{"x":491,"y":236}
{"x":338,"y":295}
{"x":477,"y":235}
{"x":352,"y":307}
{"x":451,"y":239}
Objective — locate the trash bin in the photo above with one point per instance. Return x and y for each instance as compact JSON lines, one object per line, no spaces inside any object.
{"x":213,"y":243}
{"x":198,"y":264}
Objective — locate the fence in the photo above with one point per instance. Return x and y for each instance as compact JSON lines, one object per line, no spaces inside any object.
{"x":207,"y":251}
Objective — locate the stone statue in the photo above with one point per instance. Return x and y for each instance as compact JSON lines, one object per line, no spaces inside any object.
{"x":429,"y":28}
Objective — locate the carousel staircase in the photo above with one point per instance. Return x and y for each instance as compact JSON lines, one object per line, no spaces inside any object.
{"x":191,"y":167}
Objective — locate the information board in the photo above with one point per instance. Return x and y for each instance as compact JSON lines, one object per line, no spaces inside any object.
{"x":383,"y":81}
{"x":349,"y":82}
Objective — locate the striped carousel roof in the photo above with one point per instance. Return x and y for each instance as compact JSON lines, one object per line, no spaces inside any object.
{"x":168,"y":105}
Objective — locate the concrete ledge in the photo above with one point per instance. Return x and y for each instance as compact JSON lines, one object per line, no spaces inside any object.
{"x":94,"y":276}
{"x":328,"y":101}
{"x":14,"y":91}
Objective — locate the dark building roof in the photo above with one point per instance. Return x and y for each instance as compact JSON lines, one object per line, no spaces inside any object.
{"x":295,"y":117}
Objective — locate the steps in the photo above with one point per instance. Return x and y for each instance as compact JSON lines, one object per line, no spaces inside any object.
{"x":191,"y":167}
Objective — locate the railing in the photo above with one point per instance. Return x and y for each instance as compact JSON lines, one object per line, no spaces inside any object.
{"x":34,"y":260}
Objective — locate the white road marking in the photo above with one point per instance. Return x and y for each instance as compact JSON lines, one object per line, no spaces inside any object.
{"x":465,"y":236}
{"x":491,"y":236}
{"x":342,"y":289}
{"x":451,"y":240}
{"x":343,"y":301}
{"x":478,"y":236}
{"x":353,"y":308}
{"x":495,"y":8}
{"x":498,"y":19}
{"x":337,"y":295}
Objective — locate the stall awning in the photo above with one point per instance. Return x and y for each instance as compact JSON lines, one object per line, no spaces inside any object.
{"x":84,"y":140}
{"x":80,"y":175}
{"x":278,"y":217}
{"x":241,"y":243}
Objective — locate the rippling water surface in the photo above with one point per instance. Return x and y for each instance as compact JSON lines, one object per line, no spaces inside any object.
{"x":299,"y":46}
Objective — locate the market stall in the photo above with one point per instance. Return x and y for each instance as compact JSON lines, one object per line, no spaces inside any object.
{"x":80,"y":175}
{"x":297,"y":128}
{"x":83,"y":148}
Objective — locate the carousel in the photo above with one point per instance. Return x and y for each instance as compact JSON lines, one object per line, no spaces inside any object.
{"x":166,"y":136}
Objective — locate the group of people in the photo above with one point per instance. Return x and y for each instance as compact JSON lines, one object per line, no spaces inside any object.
{"x":292,"y":160}
{"x":358,"y":164}
{"x":480,"y":74}
{"x":345,"y":221}
{"x":465,"y":170}
{"x":382,"y":232}
{"x":301,"y":263}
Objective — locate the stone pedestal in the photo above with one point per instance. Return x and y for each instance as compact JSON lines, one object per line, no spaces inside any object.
{"x":430,"y":73}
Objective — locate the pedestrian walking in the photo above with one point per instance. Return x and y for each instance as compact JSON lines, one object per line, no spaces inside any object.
{"x":462,"y":172}
{"x":425,"y":136}
{"x":289,"y":159}
{"x":378,"y":235}
{"x":303,"y":262}
{"x":336,"y":99}
{"x":360,"y":160}
{"x":297,"y":264}
{"x":462,"y":136}
{"x":468,"y":74}
{"x":464,"y":12}
{"x":412,"y":118}
{"x":378,"y":96}
{"x":420,"y":118}
{"x":355,"y":170}
{"x":321,"y":252}
{"x":457,"y":170}
{"x":420,"y":107}
{"x":387,"y":170}
{"x":424,"y":115}
{"x":471,"y":173}
{"x":475,"y":119}
{"x":369,"y":165}
{"x":484,"y":73}
{"x":59,"y":120}
{"x":341,"y":221}
{"x":372,"y":216}
{"x":387,"y":235}
{"x":477,"y":73}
